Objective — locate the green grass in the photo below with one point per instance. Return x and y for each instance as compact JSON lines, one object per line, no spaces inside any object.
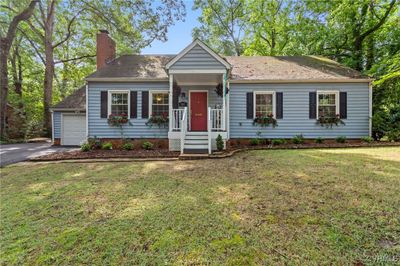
{"x":292,"y":207}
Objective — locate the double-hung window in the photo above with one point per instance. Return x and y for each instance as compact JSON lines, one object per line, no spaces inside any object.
{"x":328,"y":104}
{"x":264,"y":104}
{"x":159,"y":104}
{"x":119,"y":102}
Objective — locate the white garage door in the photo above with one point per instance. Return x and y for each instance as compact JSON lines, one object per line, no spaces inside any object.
{"x":73,"y":129}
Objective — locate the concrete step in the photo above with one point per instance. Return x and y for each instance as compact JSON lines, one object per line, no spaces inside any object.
{"x":203,"y":137}
{"x":196,"y":141}
{"x":197,"y":133}
{"x":192,"y":152}
{"x":196,"y":146}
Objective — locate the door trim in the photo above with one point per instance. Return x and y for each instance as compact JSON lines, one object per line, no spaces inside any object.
{"x":190,"y":120}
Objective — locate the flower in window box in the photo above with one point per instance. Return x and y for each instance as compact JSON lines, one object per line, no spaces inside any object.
{"x":264,"y":120}
{"x":329,"y":122}
{"x":118,"y":120}
{"x":159,"y":120}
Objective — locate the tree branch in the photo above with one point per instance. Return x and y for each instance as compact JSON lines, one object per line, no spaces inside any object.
{"x":73,"y":59}
{"x":69,"y":30}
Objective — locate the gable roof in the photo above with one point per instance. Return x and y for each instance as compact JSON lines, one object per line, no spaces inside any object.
{"x":76,"y":100}
{"x":202,"y":45}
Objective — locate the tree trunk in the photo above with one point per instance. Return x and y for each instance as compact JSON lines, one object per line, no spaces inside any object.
{"x":370,"y":57}
{"x":5,"y":44}
{"x":357,"y":54}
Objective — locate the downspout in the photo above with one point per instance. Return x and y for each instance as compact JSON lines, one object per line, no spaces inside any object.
{"x":87,"y":110}
{"x":370,"y":107}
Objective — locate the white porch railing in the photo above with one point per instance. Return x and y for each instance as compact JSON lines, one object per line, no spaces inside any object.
{"x":177,"y":119}
{"x":183,"y":128}
{"x":217,"y":119}
{"x":209,"y":123}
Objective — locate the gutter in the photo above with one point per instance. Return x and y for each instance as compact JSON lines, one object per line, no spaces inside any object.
{"x":126,"y":80}
{"x":256,"y":81}
{"x":67,"y":110}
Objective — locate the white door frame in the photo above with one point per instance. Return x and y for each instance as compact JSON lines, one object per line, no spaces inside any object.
{"x":189,"y":109}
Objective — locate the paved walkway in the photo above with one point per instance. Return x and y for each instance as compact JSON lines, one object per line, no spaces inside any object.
{"x":13,"y":153}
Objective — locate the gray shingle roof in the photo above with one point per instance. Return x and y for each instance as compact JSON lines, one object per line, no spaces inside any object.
{"x":76,"y":100}
{"x":244,"y":68}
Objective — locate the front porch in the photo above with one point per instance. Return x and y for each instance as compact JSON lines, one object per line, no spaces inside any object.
{"x":198,"y":113}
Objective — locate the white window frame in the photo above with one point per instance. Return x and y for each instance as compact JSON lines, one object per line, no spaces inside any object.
{"x":110,"y":92}
{"x":336,"y":100}
{"x":151,"y":99}
{"x":273,"y":101}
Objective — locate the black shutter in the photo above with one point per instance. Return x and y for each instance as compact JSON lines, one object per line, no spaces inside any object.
{"x":279,"y":105}
{"x":145,"y":104}
{"x":104,"y":104}
{"x":249,"y":105}
{"x":133,"y":104}
{"x":343,"y":105}
{"x":313,"y":105}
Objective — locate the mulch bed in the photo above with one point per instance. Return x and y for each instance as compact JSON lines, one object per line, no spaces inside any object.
{"x":104,"y":154}
{"x":165,"y":153}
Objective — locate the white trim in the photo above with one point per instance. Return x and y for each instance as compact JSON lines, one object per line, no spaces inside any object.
{"x":190,"y":47}
{"x":52,"y":127}
{"x":227,"y":109}
{"x":87,"y":110}
{"x":151,"y":92}
{"x":198,"y":83}
{"x":170,"y":99}
{"x":62,"y":124}
{"x":337,"y":99}
{"x":197,"y":71}
{"x":67,"y":110}
{"x":125,"y":79}
{"x":370,"y":92}
{"x":214,"y":134}
{"x":273,"y":93}
{"x":190,"y":110}
{"x":109,"y":101}
{"x":266,"y":81}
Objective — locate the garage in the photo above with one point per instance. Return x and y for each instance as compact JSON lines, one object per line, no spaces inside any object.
{"x":73,"y":129}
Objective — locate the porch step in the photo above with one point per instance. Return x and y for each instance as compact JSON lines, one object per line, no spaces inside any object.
{"x":188,"y":151}
{"x":196,"y":146}
{"x":202,"y":137}
{"x":196,"y":133}
{"x":196,"y":141}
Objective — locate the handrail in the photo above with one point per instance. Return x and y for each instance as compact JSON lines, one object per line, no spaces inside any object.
{"x":183,"y":128}
{"x":209,"y":130}
{"x":177,"y":119}
{"x":217,"y":119}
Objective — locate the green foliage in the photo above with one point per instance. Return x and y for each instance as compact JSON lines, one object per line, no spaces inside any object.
{"x":319,"y":140}
{"x":94,"y":143}
{"x":219,"y":142}
{"x":147,"y":145}
{"x":107,"y":146}
{"x":127,"y":146}
{"x":341,"y":139}
{"x":86,"y":147}
{"x":278,"y":141}
{"x":254,"y":142}
{"x":299,"y":139}
{"x":367,"y":139}
{"x":329,"y":122}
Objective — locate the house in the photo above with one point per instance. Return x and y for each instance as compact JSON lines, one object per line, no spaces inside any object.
{"x":205,"y":94}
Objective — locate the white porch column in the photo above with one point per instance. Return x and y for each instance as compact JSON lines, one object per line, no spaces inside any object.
{"x":224,"y":100}
{"x":227,"y":122}
{"x":171,"y":88}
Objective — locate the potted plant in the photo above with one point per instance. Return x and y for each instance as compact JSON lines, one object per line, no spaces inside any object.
{"x":117,"y":120}
{"x":265,"y":120}
{"x":329,"y":122}
{"x":159,"y":120}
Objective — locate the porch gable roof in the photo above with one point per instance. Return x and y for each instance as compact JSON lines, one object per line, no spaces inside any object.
{"x":202,"y":46}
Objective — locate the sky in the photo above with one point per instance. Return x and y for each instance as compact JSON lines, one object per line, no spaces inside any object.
{"x":179,"y":35}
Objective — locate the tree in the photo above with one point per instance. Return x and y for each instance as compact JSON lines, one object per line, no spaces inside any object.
{"x":5,"y":45}
{"x":222,"y":25}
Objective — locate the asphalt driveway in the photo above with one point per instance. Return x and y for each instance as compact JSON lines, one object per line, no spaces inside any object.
{"x":13,"y":153}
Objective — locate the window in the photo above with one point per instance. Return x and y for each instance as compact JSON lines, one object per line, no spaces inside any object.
{"x":264,"y":104}
{"x":328,"y":104}
{"x":159,"y":104}
{"x":119,"y":102}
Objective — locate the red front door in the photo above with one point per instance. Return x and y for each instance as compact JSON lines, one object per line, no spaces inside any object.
{"x":198,"y":111}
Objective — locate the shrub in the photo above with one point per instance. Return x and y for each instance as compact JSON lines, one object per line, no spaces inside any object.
{"x":341,"y":139}
{"x":278,"y":141}
{"x":220,"y":143}
{"x":147,"y":145}
{"x":393,"y":135}
{"x":107,"y":146}
{"x":254,"y":142}
{"x":367,"y":139}
{"x":127,"y":146}
{"x":85,"y":146}
{"x":319,"y":140}
{"x":298,"y":139}
{"x":94,"y":143}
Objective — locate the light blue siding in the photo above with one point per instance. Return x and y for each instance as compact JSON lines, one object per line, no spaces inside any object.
{"x":99,"y":127}
{"x":197,"y":58}
{"x":296,"y":111}
{"x":57,"y":124}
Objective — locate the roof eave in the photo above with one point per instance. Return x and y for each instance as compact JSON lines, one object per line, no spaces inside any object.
{"x":57,"y":109}
{"x":248,"y":81}
{"x":126,"y":80}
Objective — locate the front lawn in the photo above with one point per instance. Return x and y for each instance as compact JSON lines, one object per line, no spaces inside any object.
{"x":260,"y":207}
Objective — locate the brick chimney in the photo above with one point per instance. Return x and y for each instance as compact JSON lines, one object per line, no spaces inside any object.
{"x":105,"y":49}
